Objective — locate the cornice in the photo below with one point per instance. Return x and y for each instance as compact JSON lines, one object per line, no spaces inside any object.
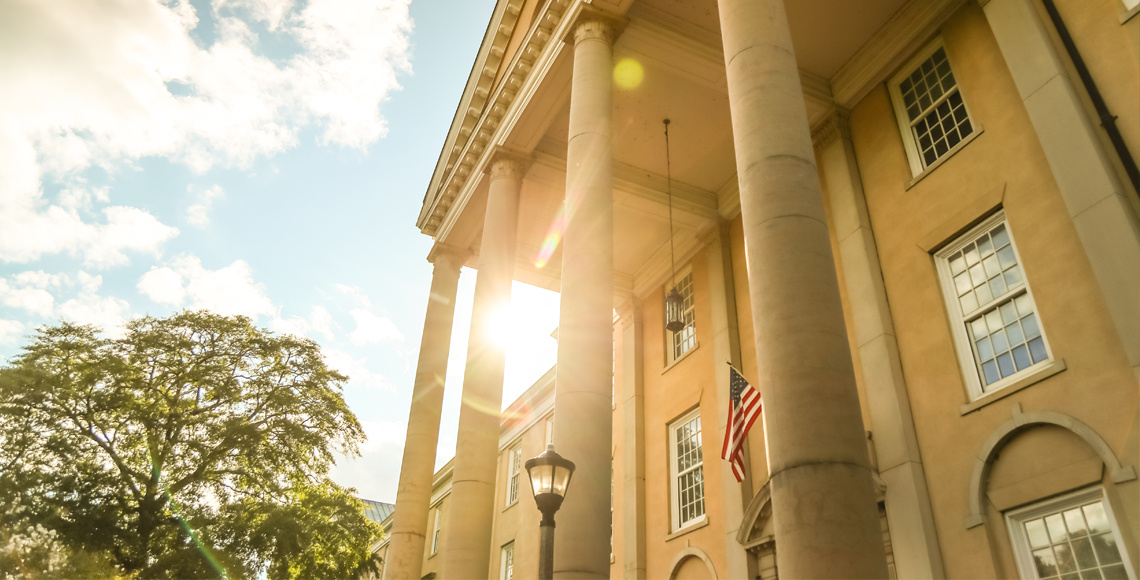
{"x":466,"y":151}
{"x":912,"y":25}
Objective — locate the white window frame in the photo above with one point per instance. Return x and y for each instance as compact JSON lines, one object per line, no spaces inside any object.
{"x":1020,"y":543}
{"x":514,"y":468}
{"x":913,"y":154}
{"x":960,"y":320}
{"x":436,"y":526}
{"x":550,"y":430}
{"x":690,"y":315}
{"x":507,"y":561}
{"x":675,"y":476}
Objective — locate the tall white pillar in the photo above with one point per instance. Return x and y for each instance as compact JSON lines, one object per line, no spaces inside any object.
{"x":472,"y":502}
{"x":1105,"y":221}
{"x":633,"y":565}
{"x":910,"y":518}
{"x":404,"y":559}
{"x":583,"y":386}
{"x":823,"y":503}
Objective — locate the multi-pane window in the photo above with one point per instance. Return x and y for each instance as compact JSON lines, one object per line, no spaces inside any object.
{"x":1073,"y":537}
{"x":930,"y":109}
{"x":687,"y":467}
{"x":515,"y":465}
{"x":999,"y":333}
{"x":507,"y":562}
{"x":683,"y":340}
{"x":435,"y":532}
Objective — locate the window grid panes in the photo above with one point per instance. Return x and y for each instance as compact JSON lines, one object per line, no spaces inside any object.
{"x":513,"y":484}
{"x":934,"y":108}
{"x":689,"y":469}
{"x":998,"y":312}
{"x":685,"y":339}
{"x":507,"y":570}
{"x":1074,"y":544}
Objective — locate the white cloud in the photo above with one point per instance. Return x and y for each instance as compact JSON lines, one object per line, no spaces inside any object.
{"x":228,"y":291}
{"x":372,"y":328}
{"x":163,"y":285}
{"x":11,"y":331}
{"x":106,"y":84}
{"x":34,"y":300}
{"x":107,"y":312}
{"x":355,"y":293}
{"x":320,"y":322}
{"x":359,"y":375}
{"x":199,"y":212}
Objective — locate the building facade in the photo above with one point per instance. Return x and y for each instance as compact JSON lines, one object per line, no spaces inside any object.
{"x":912,"y":224}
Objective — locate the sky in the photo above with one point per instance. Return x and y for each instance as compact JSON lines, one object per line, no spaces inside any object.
{"x":258,"y":157}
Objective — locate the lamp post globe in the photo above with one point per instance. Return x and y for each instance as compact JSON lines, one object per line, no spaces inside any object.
{"x":549,"y":475}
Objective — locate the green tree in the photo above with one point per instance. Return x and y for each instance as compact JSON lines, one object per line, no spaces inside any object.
{"x":194,"y":446}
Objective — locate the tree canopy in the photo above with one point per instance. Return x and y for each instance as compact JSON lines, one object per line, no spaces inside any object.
{"x":194,"y":446}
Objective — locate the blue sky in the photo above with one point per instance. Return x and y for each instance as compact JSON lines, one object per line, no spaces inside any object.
{"x":257,"y":157}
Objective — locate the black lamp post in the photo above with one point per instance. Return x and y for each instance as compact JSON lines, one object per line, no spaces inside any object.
{"x":549,"y":477}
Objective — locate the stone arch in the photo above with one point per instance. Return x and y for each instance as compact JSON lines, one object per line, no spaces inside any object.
{"x":746,"y":533}
{"x":1019,"y":422}
{"x":685,"y":554}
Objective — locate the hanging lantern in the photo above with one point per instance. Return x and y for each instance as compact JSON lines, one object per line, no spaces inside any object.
{"x":674,"y":305}
{"x":674,"y":311}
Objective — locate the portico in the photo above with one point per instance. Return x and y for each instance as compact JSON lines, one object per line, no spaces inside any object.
{"x":554,"y":174}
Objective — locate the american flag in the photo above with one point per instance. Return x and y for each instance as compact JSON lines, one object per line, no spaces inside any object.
{"x":745,"y":409}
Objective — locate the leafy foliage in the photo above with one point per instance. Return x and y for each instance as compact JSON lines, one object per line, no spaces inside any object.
{"x":196,"y":446}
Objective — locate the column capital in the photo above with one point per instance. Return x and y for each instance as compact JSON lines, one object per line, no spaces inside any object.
{"x":448,"y":257}
{"x":628,"y":307}
{"x":506,"y":164}
{"x":834,"y":127}
{"x":716,"y":233}
{"x":593,"y":24}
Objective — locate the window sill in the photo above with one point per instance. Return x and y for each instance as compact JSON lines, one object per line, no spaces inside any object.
{"x":953,"y":151}
{"x":1047,"y":370}
{"x":510,"y":505}
{"x":1129,"y":13}
{"x":681,"y":358}
{"x":694,"y":525}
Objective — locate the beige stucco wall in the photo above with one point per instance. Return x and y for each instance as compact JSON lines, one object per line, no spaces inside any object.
{"x":1096,"y":387}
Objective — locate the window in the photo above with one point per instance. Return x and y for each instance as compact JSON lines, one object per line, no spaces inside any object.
{"x":507,"y":562}
{"x":687,"y":487}
{"x":683,"y":340}
{"x":514,"y":460}
{"x":435,"y":531}
{"x":930,"y":109}
{"x":1073,"y":536}
{"x":997,"y":331}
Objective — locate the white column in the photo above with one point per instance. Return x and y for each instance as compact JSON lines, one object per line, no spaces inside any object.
{"x":1094,"y":194}
{"x":472,"y":502}
{"x":633,"y":440}
{"x":823,"y":502}
{"x":910,"y":517}
{"x":583,"y":415}
{"x":726,"y":348}
{"x":404,"y":558}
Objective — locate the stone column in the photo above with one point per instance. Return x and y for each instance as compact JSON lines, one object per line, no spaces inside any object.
{"x":726,"y":348}
{"x":909,"y":515}
{"x":472,"y":500}
{"x":633,"y":440}
{"x":823,"y":501}
{"x":1094,"y":194}
{"x":405,"y":555}
{"x":582,"y":404}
